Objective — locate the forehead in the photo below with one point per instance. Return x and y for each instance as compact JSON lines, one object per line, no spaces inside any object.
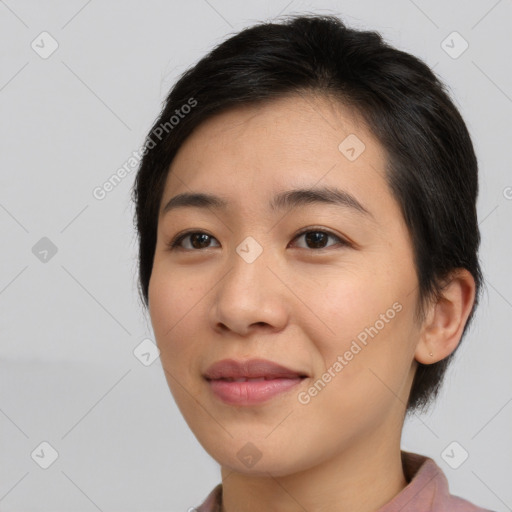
{"x":254,"y":152}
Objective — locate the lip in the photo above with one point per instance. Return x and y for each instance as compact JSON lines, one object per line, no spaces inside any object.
{"x":249,"y":369}
{"x":273,"y":379}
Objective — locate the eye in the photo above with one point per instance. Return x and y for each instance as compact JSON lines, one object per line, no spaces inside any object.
{"x":318,"y":238}
{"x":200,"y":240}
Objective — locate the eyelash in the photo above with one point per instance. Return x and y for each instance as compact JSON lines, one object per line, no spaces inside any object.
{"x":175,"y":242}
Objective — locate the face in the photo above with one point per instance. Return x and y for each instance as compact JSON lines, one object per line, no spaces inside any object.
{"x":324,"y":287}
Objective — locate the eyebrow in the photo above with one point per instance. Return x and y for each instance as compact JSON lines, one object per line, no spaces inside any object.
{"x":288,"y":199}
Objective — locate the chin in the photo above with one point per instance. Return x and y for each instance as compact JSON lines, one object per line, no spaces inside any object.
{"x":259,"y":457}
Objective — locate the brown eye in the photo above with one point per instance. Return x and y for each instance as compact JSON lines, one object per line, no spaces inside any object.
{"x":318,"y":239}
{"x":198,"y":240}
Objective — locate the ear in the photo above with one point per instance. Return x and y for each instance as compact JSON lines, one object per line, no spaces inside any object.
{"x":442,"y":329}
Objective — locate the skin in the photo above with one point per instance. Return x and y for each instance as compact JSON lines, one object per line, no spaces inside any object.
{"x":296,"y":305}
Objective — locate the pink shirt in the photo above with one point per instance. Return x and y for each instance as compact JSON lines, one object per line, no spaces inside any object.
{"x":426,"y":491}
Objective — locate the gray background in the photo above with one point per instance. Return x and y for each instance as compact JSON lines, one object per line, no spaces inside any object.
{"x":69,"y":324}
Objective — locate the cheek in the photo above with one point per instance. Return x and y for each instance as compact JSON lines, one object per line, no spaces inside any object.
{"x":368,"y":322}
{"x":353,"y":301}
{"x":171,"y":303}
{"x":362,"y":377}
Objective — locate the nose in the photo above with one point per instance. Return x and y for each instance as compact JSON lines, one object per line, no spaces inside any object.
{"x":250,"y":297}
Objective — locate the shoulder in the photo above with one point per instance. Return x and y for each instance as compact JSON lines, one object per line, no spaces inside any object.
{"x":213,"y":501}
{"x":428,"y":489}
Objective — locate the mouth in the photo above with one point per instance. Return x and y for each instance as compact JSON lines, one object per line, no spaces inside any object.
{"x":246,"y":392}
{"x":250,"y":382}
{"x":250,"y":369}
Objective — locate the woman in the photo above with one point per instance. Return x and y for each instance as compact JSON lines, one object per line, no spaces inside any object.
{"x":295,"y":358}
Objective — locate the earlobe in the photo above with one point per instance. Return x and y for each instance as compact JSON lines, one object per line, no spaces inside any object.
{"x":442,"y":330}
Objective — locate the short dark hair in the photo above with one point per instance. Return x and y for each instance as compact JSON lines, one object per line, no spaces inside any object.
{"x":431,"y":168}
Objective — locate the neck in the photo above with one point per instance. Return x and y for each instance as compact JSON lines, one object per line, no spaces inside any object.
{"x":363,"y":477}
